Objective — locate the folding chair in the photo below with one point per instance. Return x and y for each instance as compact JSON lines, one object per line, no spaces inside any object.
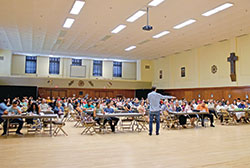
{"x":59,"y":126}
{"x":127,"y":123}
{"x":72,"y":116}
{"x":228,"y":117}
{"x":46,"y":122}
{"x":35,"y":127}
{"x":88,"y":124}
{"x":141,"y":124}
{"x":78,"y":119}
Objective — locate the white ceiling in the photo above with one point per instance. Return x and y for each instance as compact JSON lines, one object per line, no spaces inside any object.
{"x":35,"y":26}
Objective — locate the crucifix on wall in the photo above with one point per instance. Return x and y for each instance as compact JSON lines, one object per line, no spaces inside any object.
{"x":232,"y":59}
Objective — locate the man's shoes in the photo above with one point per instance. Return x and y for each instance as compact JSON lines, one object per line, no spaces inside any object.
{"x":19,"y":133}
{"x":4,"y":134}
{"x":150,"y":134}
{"x":203,"y":125}
{"x":157,"y":133}
{"x":212,"y":125}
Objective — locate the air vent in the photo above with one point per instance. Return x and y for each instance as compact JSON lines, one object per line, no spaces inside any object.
{"x":1,"y":58}
{"x":106,"y":37}
{"x":242,"y":35}
{"x":147,"y":66}
{"x":222,"y":40}
{"x":207,"y":45}
{"x":143,"y":42}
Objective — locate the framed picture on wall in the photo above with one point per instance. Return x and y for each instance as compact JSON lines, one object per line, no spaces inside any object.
{"x":160,"y":74}
{"x":183,"y":73}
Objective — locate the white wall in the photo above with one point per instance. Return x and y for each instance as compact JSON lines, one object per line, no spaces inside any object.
{"x":107,"y":69}
{"x":18,"y":65}
{"x":129,"y":70}
{"x":138,"y":70}
{"x":42,"y":66}
{"x":5,"y":64}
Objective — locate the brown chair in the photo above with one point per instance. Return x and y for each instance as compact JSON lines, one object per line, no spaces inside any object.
{"x":227,"y":117}
{"x":141,"y":124}
{"x":59,"y":126}
{"x":169,"y":120}
{"x":89,"y":124}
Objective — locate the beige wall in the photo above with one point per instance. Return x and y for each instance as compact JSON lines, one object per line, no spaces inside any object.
{"x":64,"y":83}
{"x":198,"y":64}
{"x":147,"y":74}
{"x":5,"y":64}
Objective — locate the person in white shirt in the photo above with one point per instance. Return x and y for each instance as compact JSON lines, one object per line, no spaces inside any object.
{"x":188,"y":109}
{"x":44,"y":106}
{"x":154,"y":101}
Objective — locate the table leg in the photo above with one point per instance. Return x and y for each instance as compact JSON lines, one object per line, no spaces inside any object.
{"x":50,"y":129}
{"x":8,"y":124}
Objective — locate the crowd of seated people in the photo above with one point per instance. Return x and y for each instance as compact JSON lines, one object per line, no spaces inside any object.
{"x":129,"y":105}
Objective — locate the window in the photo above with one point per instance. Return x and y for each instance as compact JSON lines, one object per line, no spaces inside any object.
{"x":30,"y":65}
{"x":54,"y":65}
{"x":97,"y":68}
{"x":77,"y":62}
{"x":117,"y":69}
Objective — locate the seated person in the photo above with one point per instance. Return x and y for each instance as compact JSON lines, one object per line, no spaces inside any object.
{"x":211,"y":108}
{"x":88,"y":106}
{"x":127,"y":107}
{"x":189,"y":108}
{"x":78,"y":108}
{"x":3,"y":107}
{"x":44,"y":106}
{"x":24,"y":105}
{"x":203,"y":108}
{"x":142,"y":110}
{"x":110,"y":119}
{"x":59,"y":110}
{"x":13,"y":110}
{"x":182,"y":118}
{"x":136,"y":102}
{"x":242,"y":104}
{"x":98,"y":110}
{"x":35,"y":109}
{"x":220,"y":107}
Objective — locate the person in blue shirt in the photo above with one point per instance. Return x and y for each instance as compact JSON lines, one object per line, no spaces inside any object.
{"x":3,"y":107}
{"x":155,"y":108}
{"x":110,"y":120}
{"x":59,"y":110}
{"x":242,"y":105}
{"x":14,"y":109}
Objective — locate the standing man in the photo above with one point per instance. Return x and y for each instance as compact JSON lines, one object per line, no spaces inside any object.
{"x":155,"y":108}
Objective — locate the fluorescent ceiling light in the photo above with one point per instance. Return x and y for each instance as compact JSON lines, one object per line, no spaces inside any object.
{"x":161,"y":34}
{"x":130,"y":48}
{"x":77,"y":7}
{"x":155,"y":2}
{"x":136,"y":16}
{"x":118,"y":29}
{"x":68,"y":23}
{"x":218,"y":9}
{"x":186,"y":23}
